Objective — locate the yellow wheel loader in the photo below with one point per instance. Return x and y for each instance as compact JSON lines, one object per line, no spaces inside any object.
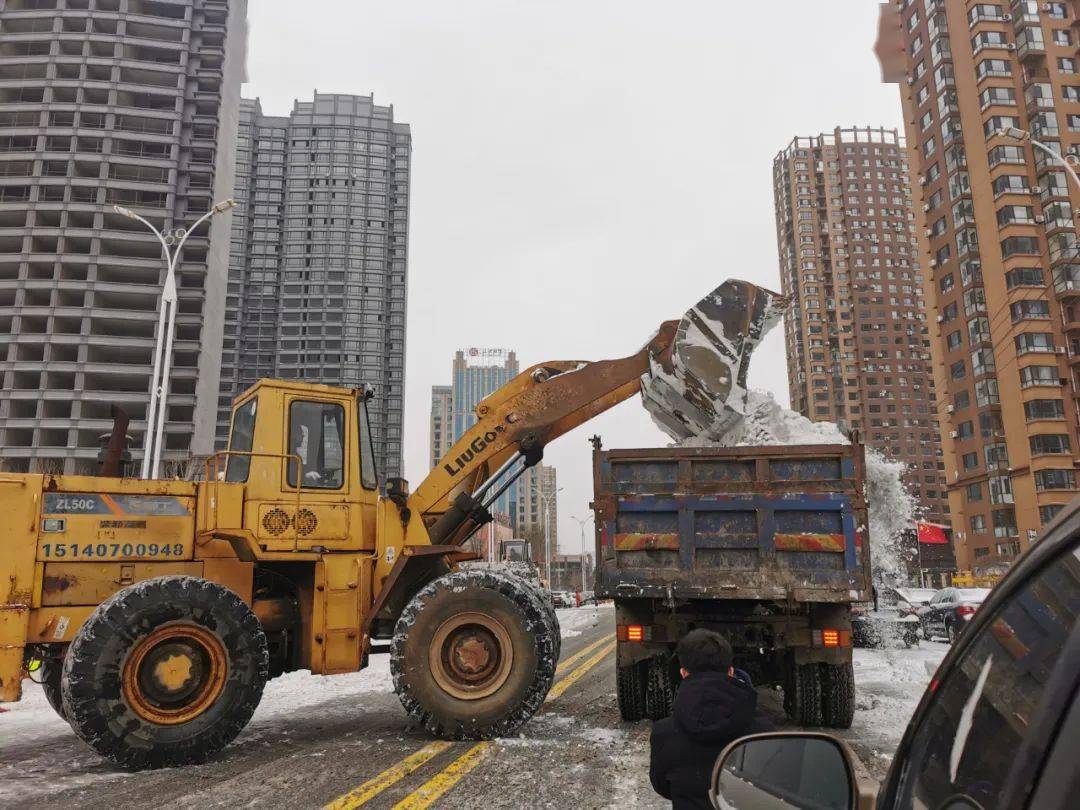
{"x":158,"y":609}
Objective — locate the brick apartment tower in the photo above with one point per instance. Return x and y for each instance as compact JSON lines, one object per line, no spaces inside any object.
{"x":103,"y":103}
{"x":998,"y":247}
{"x":856,"y":336}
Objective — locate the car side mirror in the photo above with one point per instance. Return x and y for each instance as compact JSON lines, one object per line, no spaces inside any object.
{"x":785,"y":770}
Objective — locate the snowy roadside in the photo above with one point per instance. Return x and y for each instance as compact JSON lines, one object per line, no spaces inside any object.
{"x":574,"y":621}
{"x":888,"y":687}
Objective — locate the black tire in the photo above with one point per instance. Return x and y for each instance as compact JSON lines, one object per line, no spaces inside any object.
{"x":838,"y":695}
{"x":434,"y":695}
{"x":52,"y":670}
{"x":950,"y":632}
{"x":660,"y":689}
{"x":802,"y":694}
{"x":117,"y":719}
{"x":544,"y":598}
{"x":630,"y":689}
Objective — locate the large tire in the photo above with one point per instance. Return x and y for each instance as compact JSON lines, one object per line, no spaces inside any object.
{"x":660,"y":689}
{"x":473,"y":655}
{"x":630,"y":690}
{"x":52,"y":670}
{"x":802,"y":694}
{"x":838,"y":694}
{"x":165,"y":673}
{"x":543,"y":596}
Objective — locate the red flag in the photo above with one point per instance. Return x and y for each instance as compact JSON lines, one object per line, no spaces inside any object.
{"x":932,"y":534}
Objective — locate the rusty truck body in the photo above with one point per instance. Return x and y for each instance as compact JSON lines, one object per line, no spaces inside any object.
{"x":766,"y":545}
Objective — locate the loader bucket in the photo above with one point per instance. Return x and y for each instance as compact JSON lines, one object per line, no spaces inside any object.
{"x":698,"y":389}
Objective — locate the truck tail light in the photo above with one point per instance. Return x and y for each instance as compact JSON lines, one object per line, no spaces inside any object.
{"x":633,"y":632}
{"x":830,"y":637}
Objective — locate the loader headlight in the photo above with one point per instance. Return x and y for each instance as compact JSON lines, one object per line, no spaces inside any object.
{"x":52,"y":525}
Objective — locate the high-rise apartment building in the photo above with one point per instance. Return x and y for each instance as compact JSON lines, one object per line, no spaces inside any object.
{"x":102,"y":103}
{"x":317,"y":275}
{"x":856,"y":336}
{"x":998,"y":246}
{"x":441,"y":414}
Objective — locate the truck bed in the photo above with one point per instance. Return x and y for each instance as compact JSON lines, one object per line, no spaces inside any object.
{"x":756,"y":523}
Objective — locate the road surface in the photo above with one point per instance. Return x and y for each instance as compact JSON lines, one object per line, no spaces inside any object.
{"x":316,"y":740}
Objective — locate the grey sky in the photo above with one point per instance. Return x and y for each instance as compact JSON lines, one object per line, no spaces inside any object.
{"x":582,"y":170}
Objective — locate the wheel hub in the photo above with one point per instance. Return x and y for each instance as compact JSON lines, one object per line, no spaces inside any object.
{"x":471,"y":655}
{"x":174,"y":674}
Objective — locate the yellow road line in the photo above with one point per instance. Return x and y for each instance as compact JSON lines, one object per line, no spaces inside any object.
{"x":438,"y":785}
{"x":579,"y":672}
{"x":573,"y":659}
{"x":433,"y":789}
{"x":391,"y":776}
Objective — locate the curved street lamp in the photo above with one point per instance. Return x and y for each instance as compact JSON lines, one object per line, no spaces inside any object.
{"x":546,"y":500}
{"x":171,"y":242}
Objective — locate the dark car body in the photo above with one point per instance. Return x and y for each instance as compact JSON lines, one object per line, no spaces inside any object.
{"x":950,"y":610}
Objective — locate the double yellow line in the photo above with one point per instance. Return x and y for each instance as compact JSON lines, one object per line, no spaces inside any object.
{"x":433,"y":789}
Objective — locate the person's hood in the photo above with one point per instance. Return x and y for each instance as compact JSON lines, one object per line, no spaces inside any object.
{"x":711,"y":707}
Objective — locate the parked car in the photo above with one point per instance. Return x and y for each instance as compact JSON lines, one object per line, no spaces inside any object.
{"x":908,"y":600}
{"x":883,"y":627}
{"x":996,"y":728}
{"x":563,"y":599}
{"x":949,"y":611}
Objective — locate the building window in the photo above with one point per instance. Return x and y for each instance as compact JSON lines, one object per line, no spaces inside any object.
{"x":974,"y":492}
{"x":1004,"y":521}
{"x":1035,"y":409}
{"x":1049,"y":443}
{"x":1027,"y":342}
{"x":978,"y":524}
{"x":1048,"y":512}
{"x":1054,"y":479}
{"x":1024,"y":277}
{"x":1019,"y":245}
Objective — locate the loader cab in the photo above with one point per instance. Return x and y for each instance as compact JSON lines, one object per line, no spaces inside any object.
{"x":305,"y":457}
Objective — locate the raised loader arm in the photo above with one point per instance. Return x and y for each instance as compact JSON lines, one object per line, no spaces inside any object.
{"x":513,"y":426}
{"x":692,"y":376}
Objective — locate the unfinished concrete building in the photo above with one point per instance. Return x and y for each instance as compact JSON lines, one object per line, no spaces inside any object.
{"x":103,"y":103}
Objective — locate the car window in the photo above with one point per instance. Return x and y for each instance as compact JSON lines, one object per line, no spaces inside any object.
{"x":992,"y":694}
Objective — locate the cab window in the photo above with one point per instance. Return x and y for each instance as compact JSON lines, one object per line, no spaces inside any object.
{"x":993,"y":694}
{"x":369,"y":478}
{"x":240,"y":439}
{"x":317,"y":436}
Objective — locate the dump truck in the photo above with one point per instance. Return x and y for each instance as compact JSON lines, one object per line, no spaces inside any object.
{"x":765,"y":545}
{"x":154,"y":611}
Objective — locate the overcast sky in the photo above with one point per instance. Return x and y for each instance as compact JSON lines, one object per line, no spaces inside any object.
{"x":582,"y":170}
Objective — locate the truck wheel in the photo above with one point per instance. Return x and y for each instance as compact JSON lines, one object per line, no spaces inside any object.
{"x":660,"y":689}
{"x":838,"y":694}
{"x":51,"y":671}
{"x":630,"y":688}
{"x":802,"y":694}
{"x":165,"y":673}
{"x":473,"y":655}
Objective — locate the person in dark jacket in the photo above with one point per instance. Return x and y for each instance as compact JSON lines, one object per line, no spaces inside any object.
{"x":713,"y":707}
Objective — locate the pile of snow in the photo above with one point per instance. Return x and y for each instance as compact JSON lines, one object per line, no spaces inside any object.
{"x":892,"y":508}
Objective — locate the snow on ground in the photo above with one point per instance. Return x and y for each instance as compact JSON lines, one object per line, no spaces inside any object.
{"x":888,"y":687}
{"x":573,"y":621}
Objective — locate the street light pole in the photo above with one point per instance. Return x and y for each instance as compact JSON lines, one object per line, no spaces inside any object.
{"x":159,"y":389}
{"x":581,"y":522}
{"x":546,"y":500}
